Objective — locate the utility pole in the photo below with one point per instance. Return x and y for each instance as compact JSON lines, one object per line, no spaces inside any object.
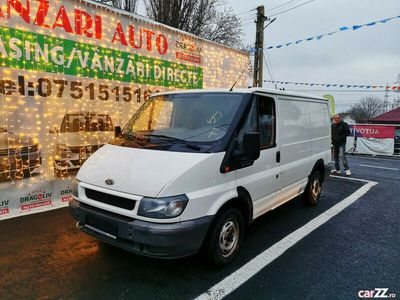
{"x":259,"y":45}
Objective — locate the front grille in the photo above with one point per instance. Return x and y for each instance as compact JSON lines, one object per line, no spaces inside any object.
{"x":110,"y":199}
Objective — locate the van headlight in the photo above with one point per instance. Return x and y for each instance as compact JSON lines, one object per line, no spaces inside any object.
{"x":162,"y":208}
{"x":74,"y":187}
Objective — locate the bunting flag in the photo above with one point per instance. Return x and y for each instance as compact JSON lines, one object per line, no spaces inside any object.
{"x":341,"y":86}
{"x":341,"y":29}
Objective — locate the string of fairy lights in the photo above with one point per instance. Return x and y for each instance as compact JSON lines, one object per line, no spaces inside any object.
{"x":45,"y":114}
{"x":341,"y":86}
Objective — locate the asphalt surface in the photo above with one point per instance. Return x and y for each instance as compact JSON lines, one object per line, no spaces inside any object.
{"x":44,"y":256}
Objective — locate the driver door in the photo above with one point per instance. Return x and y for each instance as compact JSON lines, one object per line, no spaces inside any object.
{"x":262,"y":179}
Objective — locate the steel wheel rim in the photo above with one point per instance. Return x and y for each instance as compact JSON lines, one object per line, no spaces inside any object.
{"x":316,"y":189}
{"x":229,"y":238}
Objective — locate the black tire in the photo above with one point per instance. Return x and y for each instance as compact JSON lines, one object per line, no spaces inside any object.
{"x":313,"y":189}
{"x":224,"y":237}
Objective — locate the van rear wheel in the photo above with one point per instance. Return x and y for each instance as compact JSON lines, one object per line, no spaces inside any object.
{"x":224,"y":237}
{"x":313,"y":189}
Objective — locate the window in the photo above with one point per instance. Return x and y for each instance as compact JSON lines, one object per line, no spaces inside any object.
{"x":250,"y":125}
{"x":261,"y":118}
{"x":266,"y":121}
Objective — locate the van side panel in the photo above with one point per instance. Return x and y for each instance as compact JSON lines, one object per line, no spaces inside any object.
{"x":305,"y":138}
{"x":321,"y":130}
{"x":296,"y":140}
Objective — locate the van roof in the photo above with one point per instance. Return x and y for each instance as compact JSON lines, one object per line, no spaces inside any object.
{"x":244,"y":91}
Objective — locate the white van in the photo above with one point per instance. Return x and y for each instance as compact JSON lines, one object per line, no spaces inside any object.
{"x":191,"y":169}
{"x":80,"y":135}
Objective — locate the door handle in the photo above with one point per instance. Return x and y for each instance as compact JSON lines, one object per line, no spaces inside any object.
{"x":278,"y":157}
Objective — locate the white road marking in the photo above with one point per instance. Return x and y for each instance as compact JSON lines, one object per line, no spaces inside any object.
{"x":378,"y":167}
{"x":240,"y":276}
{"x":351,"y":178}
{"x":376,"y":158}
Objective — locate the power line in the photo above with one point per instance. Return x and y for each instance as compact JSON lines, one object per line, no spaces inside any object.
{"x":281,"y":5}
{"x":244,"y":12}
{"x":248,"y":23}
{"x":268,"y":64}
{"x":250,"y":19}
{"x":281,"y":12}
{"x":245,"y":18}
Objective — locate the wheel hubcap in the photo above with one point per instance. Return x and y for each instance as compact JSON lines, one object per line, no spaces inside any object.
{"x":316,"y":189}
{"x":228,"y":238}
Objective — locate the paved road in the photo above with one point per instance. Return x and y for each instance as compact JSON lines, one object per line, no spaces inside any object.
{"x":45,"y":256}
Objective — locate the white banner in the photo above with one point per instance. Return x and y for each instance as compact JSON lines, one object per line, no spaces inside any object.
{"x":30,"y":196}
{"x":375,"y":146}
{"x":350,"y":146}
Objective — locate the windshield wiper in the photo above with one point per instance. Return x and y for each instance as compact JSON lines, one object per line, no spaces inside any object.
{"x":133,"y":137}
{"x":174,"y":139}
{"x":130,"y":136}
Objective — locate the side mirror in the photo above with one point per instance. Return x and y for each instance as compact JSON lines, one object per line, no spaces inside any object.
{"x":251,"y":145}
{"x":117,"y":131}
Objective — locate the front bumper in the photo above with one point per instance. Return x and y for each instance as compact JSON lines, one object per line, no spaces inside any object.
{"x":145,"y":238}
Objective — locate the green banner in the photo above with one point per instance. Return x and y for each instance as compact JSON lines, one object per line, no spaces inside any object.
{"x":31,"y":51}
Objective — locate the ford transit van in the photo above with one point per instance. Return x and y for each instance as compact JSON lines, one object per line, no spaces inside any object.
{"x":192,"y":169}
{"x":19,"y":155}
{"x":80,"y":135}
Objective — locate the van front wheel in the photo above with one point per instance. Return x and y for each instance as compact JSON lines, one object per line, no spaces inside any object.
{"x":224,"y":237}
{"x":313,"y":189}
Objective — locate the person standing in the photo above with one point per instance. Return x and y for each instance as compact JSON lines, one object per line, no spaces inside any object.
{"x":340,"y":131}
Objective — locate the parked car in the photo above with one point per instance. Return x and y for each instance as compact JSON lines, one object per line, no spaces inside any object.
{"x":19,"y":155}
{"x":80,"y":135}
{"x":191,"y":169}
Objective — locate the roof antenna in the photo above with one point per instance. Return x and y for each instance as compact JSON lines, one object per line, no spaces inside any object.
{"x":240,"y":76}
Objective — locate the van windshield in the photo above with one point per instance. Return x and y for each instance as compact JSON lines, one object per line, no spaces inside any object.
{"x":191,"y":117}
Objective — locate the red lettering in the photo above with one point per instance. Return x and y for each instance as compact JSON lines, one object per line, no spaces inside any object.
{"x":149,"y":34}
{"x":4,"y":211}
{"x":1,"y":14}
{"x":83,"y":23}
{"x":66,"y":198}
{"x":98,"y":27}
{"x":132,"y":37}
{"x":119,"y":35}
{"x":23,"y":11}
{"x":162,"y":44}
{"x":42,"y":13}
{"x":62,"y":20}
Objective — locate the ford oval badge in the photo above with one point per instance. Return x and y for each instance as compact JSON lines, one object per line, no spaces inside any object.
{"x":109,"y":182}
